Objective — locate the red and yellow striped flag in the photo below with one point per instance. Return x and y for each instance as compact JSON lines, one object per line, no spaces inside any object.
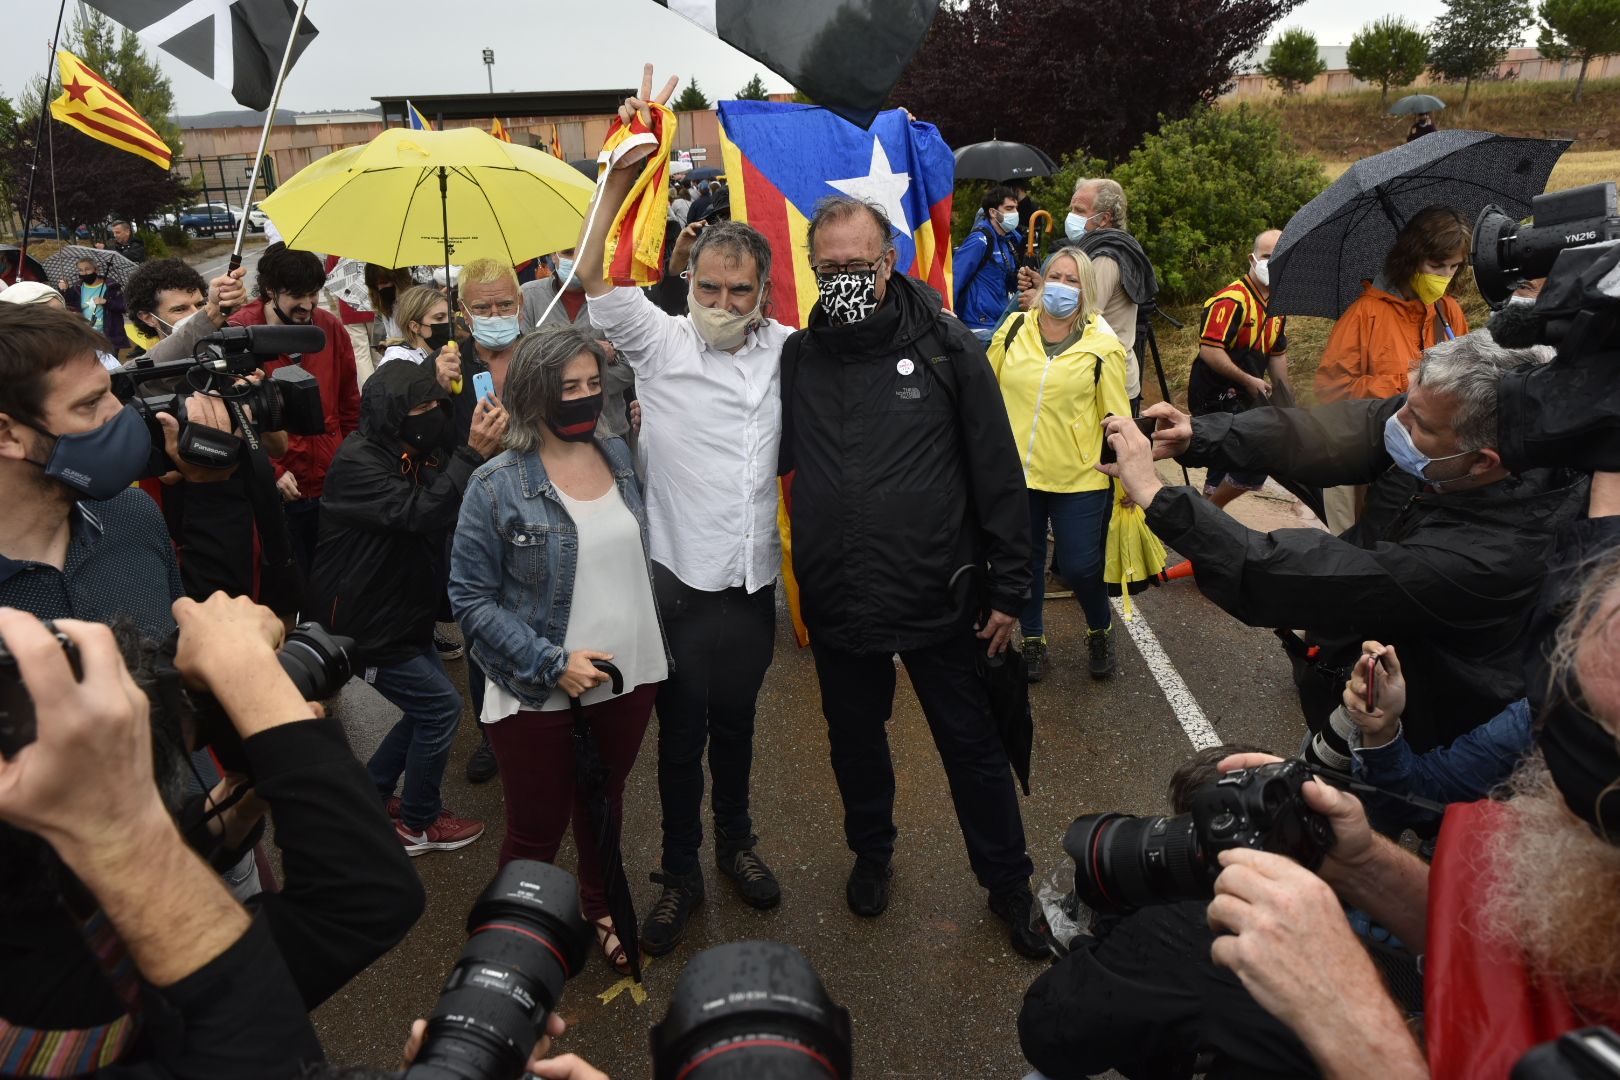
{"x":498,"y":129}
{"x":556,"y":143}
{"x":635,"y":243}
{"x":90,"y":104}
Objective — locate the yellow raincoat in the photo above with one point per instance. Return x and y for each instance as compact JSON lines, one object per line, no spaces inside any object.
{"x":1056,"y":405}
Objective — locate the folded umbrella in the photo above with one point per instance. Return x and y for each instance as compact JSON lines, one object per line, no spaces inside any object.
{"x":1006,"y":683}
{"x":1413,"y":104}
{"x":1339,"y":239}
{"x":1134,"y":557}
{"x":998,"y":160}
{"x":417,"y":198}
{"x":64,"y":264}
{"x":590,"y":776}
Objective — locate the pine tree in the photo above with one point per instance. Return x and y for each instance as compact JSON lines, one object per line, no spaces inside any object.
{"x":1579,"y":30}
{"x":1294,"y":61}
{"x":1474,"y":36}
{"x":754,"y":90}
{"x":690,"y":99}
{"x":1389,"y":52}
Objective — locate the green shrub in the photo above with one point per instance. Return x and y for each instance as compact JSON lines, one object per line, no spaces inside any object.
{"x":1202,"y":187}
{"x":156,"y":247}
{"x":174,"y":237}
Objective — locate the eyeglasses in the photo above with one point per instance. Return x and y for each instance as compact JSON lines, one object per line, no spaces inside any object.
{"x":828,"y":269}
{"x":499,"y":307}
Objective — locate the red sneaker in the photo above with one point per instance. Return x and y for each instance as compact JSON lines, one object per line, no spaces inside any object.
{"x":391,"y":805}
{"x":446,"y":834}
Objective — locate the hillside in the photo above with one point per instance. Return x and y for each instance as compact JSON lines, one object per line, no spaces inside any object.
{"x":1344,"y":127}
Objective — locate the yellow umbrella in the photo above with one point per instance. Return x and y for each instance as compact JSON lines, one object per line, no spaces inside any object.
{"x":1135,"y":557}
{"x":417,"y":198}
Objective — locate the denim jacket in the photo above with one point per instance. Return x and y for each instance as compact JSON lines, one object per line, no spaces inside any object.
{"x":512,"y":567}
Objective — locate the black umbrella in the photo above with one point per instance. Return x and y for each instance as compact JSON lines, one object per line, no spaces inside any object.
{"x":1006,"y":682}
{"x":591,"y":777}
{"x":587,"y":166}
{"x":8,"y":265}
{"x":997,"y":160}
{"x":63,"y":265}
{"x":1340,"y":238}
{"x":1414,"y":104}
{"x":695,"y":175}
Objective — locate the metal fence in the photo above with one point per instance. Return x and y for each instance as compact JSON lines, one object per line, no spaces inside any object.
{"x":224,"y":179}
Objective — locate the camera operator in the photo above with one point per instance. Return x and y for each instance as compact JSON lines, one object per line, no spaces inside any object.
{"x":1446,"y":562}
{"x":348,"y":896}
{"x":1519,"y":915}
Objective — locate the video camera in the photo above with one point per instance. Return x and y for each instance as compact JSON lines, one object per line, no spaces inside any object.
{"x":289,"y":400}
{"x":1566,"y":412}
{"x":1124,"y":862}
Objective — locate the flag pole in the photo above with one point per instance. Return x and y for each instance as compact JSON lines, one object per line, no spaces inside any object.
{"x":264,"y":135}
{"x":39,"y":131}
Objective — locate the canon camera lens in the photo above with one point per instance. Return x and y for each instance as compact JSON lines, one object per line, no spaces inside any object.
{"x":1122,"y":862}
{"x":527,"y":937}
{"x":316,"y":661}
{"x":752,"y":1010}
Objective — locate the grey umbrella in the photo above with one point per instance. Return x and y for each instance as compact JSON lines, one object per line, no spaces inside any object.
{"x":64,"y":264}
{"x":1413,"y":104}
{"x":998,"y":160}
{"x":1340,"y":238}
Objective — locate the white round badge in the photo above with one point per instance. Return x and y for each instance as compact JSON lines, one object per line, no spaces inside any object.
{"x":905,"y":366}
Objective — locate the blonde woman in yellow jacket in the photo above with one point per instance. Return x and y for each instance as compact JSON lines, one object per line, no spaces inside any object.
{"x":1062,"y":371}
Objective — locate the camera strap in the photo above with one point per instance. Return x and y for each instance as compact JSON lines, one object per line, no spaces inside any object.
{"x":1350,"y":783}
{"x":280,"y":586}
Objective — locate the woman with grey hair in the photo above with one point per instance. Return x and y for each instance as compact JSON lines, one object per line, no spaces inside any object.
{"x":549,"y":572}
{"x":1062,"y":372}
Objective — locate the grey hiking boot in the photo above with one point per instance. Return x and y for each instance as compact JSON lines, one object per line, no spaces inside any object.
{"x":1100,"y":644}
{"x":1034,"y":650}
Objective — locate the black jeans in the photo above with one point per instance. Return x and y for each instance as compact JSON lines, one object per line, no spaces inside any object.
{"x":857,"y":697}
{"x":721,"y":643}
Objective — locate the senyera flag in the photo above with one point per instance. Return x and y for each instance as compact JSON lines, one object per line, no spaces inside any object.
{"x":90,"y":104}
{"x":846,"y":56}
{"x":498,"y":129}
{"x":781,"y":159}
{"x":237,"y":43}
{"x":635,"y":240}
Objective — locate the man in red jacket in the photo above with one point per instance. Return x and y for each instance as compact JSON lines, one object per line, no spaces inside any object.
{"x":289,"y":285}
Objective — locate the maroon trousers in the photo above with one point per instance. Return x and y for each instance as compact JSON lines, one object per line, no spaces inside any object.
{"x":536,"y":755}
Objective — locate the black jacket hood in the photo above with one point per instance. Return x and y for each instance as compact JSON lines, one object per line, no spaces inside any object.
{"x":391,"y":393}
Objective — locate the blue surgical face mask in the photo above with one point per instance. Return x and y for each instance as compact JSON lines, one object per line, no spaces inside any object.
{"x":1059,"y":299}
{"x":1398,"y":441}
{"x":565,"y":268}
{"x":1009,"y":220}
{"x":100,"y":463}
{"x":1074,"y":226}
{"x":495,"y":331}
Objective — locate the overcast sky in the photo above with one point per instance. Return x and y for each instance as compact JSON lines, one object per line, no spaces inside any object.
{"x":425,"y":47}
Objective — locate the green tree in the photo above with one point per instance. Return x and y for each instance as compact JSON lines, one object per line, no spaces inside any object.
{"x":1389,"y":52}
{"x":1579,"y":30}
{"x":1473,"y":36}
{"x":1294,"y":61}
{"x":690,"y":99}
{"x":753,"y":91}
{"x":1202,"y":187}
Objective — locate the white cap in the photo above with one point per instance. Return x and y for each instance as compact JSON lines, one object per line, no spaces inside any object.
{"x":31,"y":292}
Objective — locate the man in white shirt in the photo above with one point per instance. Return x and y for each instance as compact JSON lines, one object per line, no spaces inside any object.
{"x":711,"y":424}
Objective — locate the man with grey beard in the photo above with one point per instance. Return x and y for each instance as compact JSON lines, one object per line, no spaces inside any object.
{"x":1519,"y":916}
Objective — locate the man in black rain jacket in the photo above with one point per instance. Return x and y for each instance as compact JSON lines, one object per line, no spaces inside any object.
{"x":393,"y":493}
{"x":1446,"y":567}
{"x":905,"y":473}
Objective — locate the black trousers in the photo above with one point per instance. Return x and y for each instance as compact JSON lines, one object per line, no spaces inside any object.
{"x":857,"y":697}
{"x":721,"y":644}
{"x":1145,"y":999}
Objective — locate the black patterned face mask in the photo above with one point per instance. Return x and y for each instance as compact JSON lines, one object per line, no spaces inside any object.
{"x":848,"y":297}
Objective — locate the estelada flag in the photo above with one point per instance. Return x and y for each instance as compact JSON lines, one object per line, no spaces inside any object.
{"x":635,"y":242}
{"x":498,"y":129}
{"x":782,"y":158}
{"x":414,"y":118}
{"x":90,"y":104}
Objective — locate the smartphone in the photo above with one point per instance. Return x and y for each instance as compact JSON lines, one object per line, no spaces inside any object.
{"x":1373,"y":667}
{"x":1144,"y":424}
{"x":483,"y":385}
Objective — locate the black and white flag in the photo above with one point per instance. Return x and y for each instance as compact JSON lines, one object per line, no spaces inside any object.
{"x":845,"y":55}
{"x":237,"y":43}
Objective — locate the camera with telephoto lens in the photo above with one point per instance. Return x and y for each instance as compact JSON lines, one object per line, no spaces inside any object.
{"x":1566,"y":412}
{"x":752,"y":1010}
{"x":1591,"y":1053}
{"x":289,"y":400}
{"x":1122,"y":862}
{"x":316,"y":661}
{"x":526,"y":937}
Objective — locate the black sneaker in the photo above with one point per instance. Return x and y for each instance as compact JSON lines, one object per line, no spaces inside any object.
{"x":665,"y":925}
{"x":868,"y":888}
{"x":1034,"y":650}
{"x":482,"y":766}
{"x":1100,"y":643}
{"x":754,"y":881}
{"x":447,"y":639}
{"x":1013,"y":908}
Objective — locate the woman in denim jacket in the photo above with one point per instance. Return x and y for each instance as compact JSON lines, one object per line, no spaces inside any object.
{"x":549,"y":571}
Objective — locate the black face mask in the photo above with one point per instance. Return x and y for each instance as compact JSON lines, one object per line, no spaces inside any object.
{"x":575,"y":419}
{"x":437,"y":336}
{"x":89,"y":279}
{"x":286,"y":319}
{"x":1584,"y":759}
{"x":425,"y":431}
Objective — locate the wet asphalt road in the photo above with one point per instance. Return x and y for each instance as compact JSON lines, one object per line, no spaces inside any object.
{"x":933,"y":986}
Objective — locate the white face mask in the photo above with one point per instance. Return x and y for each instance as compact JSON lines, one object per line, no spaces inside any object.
{"x":1074,"y":226}
{"x":1261,"y":270}
{"x":1009,"y":220}
{"x":721,"y":328}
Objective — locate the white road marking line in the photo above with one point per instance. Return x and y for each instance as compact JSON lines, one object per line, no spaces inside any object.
{"x":1182,"y":703}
